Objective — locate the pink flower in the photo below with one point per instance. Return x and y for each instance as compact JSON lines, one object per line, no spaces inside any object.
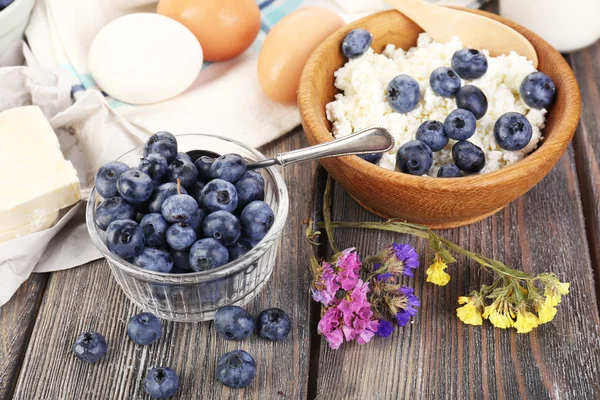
{"x":335,"y":339}
{"x":329,"y":326}
{"x":325,"y":288}
{"x":359,"y":293}
{"x":365,"y":335}
{"x":349,"y":265}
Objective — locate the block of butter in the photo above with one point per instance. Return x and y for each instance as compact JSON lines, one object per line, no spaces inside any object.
{"x":35,"y":179}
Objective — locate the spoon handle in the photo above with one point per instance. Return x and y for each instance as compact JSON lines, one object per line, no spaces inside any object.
{"x":370,"y":140}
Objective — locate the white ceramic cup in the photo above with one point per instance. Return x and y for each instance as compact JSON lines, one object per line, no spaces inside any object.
{"x":568,"y":25}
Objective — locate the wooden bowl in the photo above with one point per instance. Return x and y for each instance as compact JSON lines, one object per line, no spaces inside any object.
{"x":436,"y":202}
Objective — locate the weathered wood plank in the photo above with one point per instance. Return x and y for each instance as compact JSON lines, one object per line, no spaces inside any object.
{"x":439,"y":357}
{"x":17,"y":318}
{"x":87,"y":298}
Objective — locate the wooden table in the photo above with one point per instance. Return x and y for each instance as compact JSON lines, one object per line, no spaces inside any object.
{"x":554,"y":227}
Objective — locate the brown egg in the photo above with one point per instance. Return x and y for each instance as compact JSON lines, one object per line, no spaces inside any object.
{"x":224,"y":28}
{"x":288,"y":47}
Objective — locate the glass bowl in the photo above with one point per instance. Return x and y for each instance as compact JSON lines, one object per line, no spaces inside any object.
{"x":196,"y":296}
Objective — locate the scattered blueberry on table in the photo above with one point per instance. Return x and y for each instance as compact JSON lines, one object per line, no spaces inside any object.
{"x":236,"y":369}
{"x":90,"y":347}
{"x":144,"y":328}
{"x":233,"y":323}
{"x":161,"y":383}
{"x":273,"y":324}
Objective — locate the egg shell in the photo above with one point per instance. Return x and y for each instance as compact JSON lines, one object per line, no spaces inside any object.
{"x":287,"y":48}
{"x":145,"y":58}
{"x":224,"y":28}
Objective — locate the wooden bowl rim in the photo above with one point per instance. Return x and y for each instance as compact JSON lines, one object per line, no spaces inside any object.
{"x":551,"y":149}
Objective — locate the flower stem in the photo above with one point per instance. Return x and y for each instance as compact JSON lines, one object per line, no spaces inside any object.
{"x":327,"y":215}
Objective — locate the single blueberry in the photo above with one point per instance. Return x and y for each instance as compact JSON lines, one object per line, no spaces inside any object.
{"x":373,"y":158}
{"x":469,"y":63}
{"x":112,"y":209}
{"x":538,"y":90}
{"x":181,"y":260}
{"x":183,"y":156}
{"x":248,"y":190}
{"x":256,"y":175}
{"x":233,"y":323}
{"x":433,"y":135}
{"x":152,"y":259}
{"x":403,"y":93}
{"x":470,"y":97}
{"x":513,"y":131}
{"x":144,"y":328}
{"x":163,"y":143}
{"x":180,"y":237}
{"x":468,"y":157}
{"x":161,"y":193}
{"x":256,"y":218}
{"x":223,"y":226}
{"x":183,"y":170}
{"x":207,"y":254}
{"x":179,"y":208}
{"x":135,"y":186}
{"x":449,"y":171}
{"x":238,"y":249}
{"x":273,"y":324}
{"x":236,"y":369}
{"x":196,"y":191}
{"x":203,"y":165}
{"x":414,"y":158}
{"x":154,"y":165}
{"x":107,"y":176}
{"x":229,"y":167}
{"x":161,"y":383}
{"x":219,"y":195}
{"x":356,"y":43}
{"x":154,"y":226}
{"x":125,"y":238}
{"x":444,"y":81}
{"x":460,"y":124}
{"x":90,"y":347}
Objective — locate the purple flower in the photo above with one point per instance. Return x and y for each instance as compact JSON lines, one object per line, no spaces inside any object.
{"x":384,"y":276}
{"x":399,"y":259}
{"x":408,"y":304}
{"x":385,"y":328}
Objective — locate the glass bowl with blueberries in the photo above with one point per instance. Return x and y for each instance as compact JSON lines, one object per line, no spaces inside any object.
{"x":185,"y":226}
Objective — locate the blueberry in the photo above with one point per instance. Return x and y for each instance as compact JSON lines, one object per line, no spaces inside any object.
{"x":229,"y":167}
{"x":144,"y":328}
{"x":135,"y":186}
{"x":248,"y":190}
{"x":236,"y":369}
{"x":273,"y":324}
{"x":107,"y":176}
{"x":154,"y":226}
{"x":161,"y":193}
{"x":161,"y":383}
{"x":472,"y":98}
{"x":537,"y":90}
{"x":219,"y":195}
{"x":256,"y":175}
{"x":256,"y":218}
{"x":152,"y":259}
{"x":444,"y":81}
{"x":433,"y":135}
{"x":179,"y":208}
{"x":223,"y":226}
{"x":513,"y":131}
{"x":449,"y":171}
{"x":373,"y":158}
{"x":468,"y":157}
{"x":460,"y":124}
{"x":183,"y":156}
{"x":356,"y":43}
{"x":154,"y":165}
{"x":112,"y":209}
{"x":233,"y":323}
{"x":403,"y":93}
{"x":183,"y":170}
{"x":469,"y":63}
{"x":203,"y":165}
{"x":162,"y":143}
{"x":125,"y":238}
{"x":180,"y":237}
{"x":238,"y":249}
{"x":90,"y":347}
{"x":207,"y":254}
{"x":414,"y":158}
{"x":196,"y":191}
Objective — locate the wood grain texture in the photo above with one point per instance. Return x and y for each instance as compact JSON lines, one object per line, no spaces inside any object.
{"x":17,"y":318}
{"x":438,"y":357}
{"x":586,"y":64}
{"x":427,"y":200}
{"x":87,"y":298}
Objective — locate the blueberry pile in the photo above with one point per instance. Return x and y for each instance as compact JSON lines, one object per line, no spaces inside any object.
{"x":512,"y":130}
{"x":174,"y":215}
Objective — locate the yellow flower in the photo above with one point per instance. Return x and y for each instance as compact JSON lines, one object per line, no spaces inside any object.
{"x":554,"y":292}
{"x":545,"y":313}
{"x":526,"y":321}
{"x":470,"y":313}
{"x":500,"y":314}
{"x":436,"y":274}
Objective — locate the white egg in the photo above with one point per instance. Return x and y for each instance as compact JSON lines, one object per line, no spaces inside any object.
{"x":145,"y":58}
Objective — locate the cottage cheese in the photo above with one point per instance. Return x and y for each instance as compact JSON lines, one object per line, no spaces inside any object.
{"x":363,"y":103}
